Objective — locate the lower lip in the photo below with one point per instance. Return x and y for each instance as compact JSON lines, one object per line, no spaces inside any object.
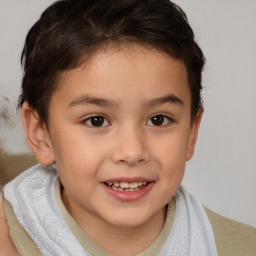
{"x":128,"y":196}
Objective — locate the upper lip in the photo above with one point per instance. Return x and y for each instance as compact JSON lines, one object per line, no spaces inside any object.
{"x":128,"y":179}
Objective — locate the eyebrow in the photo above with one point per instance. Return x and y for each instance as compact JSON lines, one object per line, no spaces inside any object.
{"x":84,"y":100}
{"x":166,"y":99}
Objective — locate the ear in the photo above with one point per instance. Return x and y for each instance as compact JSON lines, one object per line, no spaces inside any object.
{"x":37,"y":135}
{"x":193,"y":135}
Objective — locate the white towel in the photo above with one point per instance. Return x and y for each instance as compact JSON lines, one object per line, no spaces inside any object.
{"x":34,"y":202}
{"x":191,"y":232}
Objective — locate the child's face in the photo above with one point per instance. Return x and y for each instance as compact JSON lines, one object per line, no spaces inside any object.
{"x":124,"y":118}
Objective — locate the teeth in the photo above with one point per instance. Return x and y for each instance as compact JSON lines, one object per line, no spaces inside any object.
{"x":115,"y":188}
{"x":116,"y":184}
{"x":125,"y":186}
{"x":134,"y":185}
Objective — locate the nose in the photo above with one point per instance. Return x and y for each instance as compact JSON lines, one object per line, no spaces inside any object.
{"x":130,"y":147}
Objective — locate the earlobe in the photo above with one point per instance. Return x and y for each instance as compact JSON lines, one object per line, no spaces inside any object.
{"x":37,"y":135}
{"x":193,"y":135}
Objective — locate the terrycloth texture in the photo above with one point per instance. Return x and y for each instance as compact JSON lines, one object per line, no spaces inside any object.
{"x":191,"y":232}
{"x":33,"y":200}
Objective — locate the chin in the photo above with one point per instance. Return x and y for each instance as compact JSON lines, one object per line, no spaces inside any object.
{"x":128,"y":223}
{"x":129,"y":219}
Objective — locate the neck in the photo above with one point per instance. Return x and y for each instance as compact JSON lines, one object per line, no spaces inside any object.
{"x":130,"y":241}
{"x":115,"y":240}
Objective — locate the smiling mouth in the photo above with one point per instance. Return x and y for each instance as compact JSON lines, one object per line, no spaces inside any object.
{"x":125,"y":186}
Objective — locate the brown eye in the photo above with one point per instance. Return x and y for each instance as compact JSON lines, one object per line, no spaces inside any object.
{"x":159,"y":120}
{"x":97,"y":121}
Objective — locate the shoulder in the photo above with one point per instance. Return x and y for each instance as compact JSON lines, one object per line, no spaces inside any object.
{"x":232,"y":237}
{"x":6,"y":245}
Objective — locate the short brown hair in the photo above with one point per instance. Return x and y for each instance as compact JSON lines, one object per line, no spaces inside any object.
{"x":69,"y":31}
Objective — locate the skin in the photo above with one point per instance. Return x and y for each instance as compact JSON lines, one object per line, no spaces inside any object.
{"x":134,"y":85}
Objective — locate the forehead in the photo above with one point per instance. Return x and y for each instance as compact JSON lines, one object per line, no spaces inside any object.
{"x":140,"y":73}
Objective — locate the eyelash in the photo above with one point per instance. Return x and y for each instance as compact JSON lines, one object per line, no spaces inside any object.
{"x":102,"y":121}
{"x":164,"y":118}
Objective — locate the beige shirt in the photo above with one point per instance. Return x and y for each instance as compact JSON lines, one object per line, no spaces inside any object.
{"x":232,"y":238}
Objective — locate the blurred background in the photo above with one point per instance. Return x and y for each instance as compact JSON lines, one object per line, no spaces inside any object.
{"x":222,"y":173}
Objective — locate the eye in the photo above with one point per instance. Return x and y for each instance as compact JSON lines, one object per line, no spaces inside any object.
{"x":96,"y":121}
{"x":159,"y":120}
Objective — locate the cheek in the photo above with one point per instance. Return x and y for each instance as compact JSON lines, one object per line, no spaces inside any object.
{"x":76,"y":156}
{"x":172,"y":148}
{"x":171,"y":157}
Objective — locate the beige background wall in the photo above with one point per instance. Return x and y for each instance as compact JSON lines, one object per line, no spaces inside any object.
{"x":223,"y":172}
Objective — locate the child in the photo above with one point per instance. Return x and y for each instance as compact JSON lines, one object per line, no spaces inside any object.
{"x":111,"y":104}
